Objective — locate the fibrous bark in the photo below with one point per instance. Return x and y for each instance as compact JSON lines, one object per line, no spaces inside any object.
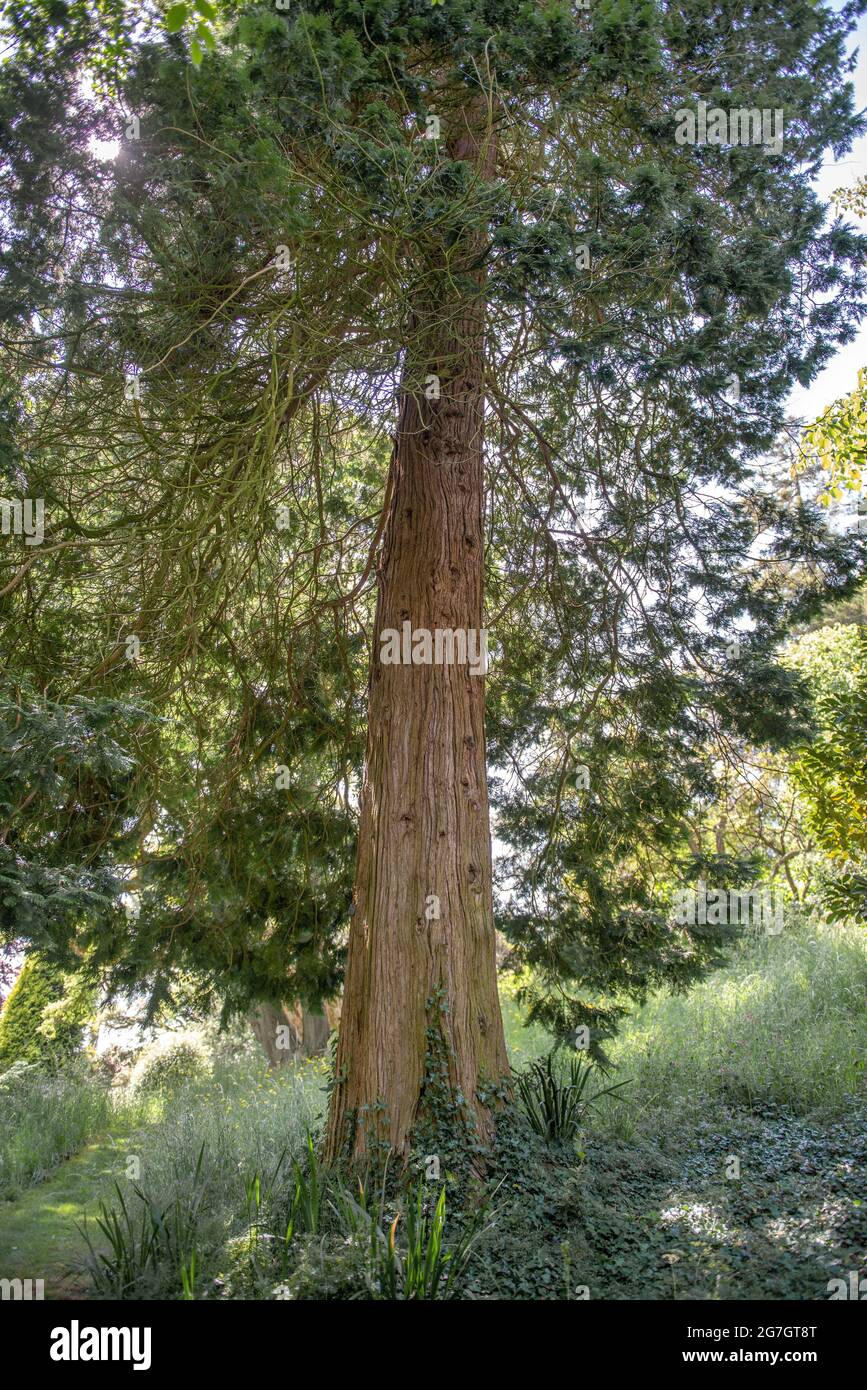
{"x":422,"y":945}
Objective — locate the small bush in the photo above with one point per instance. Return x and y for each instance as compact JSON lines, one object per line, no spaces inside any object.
{"x":167,"y":1066}
{"x":17,"y":1077}
{"x":555,"y":1096}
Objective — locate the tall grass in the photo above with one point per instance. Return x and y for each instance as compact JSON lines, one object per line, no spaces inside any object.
{"x":785,"y":1023}
{"x":215,"y":1155}
{"x":243,"y":1114}
{"x":198,"y":1223}
{"x":44,"y":1118}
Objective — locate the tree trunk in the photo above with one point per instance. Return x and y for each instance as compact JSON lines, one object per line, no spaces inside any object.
{"x":421,"y":967}
{"x":286,"y":1034}
{"x":315,"y":1032}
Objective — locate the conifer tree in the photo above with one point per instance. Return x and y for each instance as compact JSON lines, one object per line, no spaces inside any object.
{"x":451,"y":307}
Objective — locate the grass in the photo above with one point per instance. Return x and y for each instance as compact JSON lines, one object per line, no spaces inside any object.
{"x":40,"y":1231}
{"x":784,"y":1023}
{"x":44,"y":1118}
{"x":526,"y":1043}
{"x":764,"y":1063}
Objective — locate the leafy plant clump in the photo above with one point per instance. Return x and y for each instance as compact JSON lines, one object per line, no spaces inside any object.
{"x":555,"y":1096}
{"x":166,"y":1068}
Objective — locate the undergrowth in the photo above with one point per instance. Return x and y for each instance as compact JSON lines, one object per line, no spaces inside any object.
{"x":629,"y":1197}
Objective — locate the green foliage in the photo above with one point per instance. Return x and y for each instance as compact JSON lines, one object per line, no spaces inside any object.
{"x":831,"y":774}
{"x":148,"y":1244}
{"x":306,"y":1204}
{"x":45,"y":1117}
{"x":68,"y":804}
{"x":430,"y":1270}
{"x":43,"y":1019}
{"x":38,"y":985}
{"x":839,"y":440}
{"x":267,"y":875}
{"x":212,"y":1138}
{"x":765,"y":1061}
{"x":203,"y":36}
{"x":166,"y":1067}
{"x":555,"y":1097}
{"x":422,"y":1267}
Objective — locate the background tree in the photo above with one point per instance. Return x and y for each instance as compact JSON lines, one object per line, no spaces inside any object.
{"x":831,"y":773}
{"x":44,"y":1017}
{"x":68,"y":797}
{"x":838,"y":438}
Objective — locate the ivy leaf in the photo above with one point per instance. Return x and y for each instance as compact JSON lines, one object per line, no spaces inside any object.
{"x":176,"y":18}
{"x":206,"y":8}
{"x":196,"y":51}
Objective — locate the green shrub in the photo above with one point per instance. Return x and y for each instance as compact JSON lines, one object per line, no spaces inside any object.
{"x":167,"y":1066}
{"x":555,"y":1095}
{"x":44,"y":1017}
{"x":15,"y":1079}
